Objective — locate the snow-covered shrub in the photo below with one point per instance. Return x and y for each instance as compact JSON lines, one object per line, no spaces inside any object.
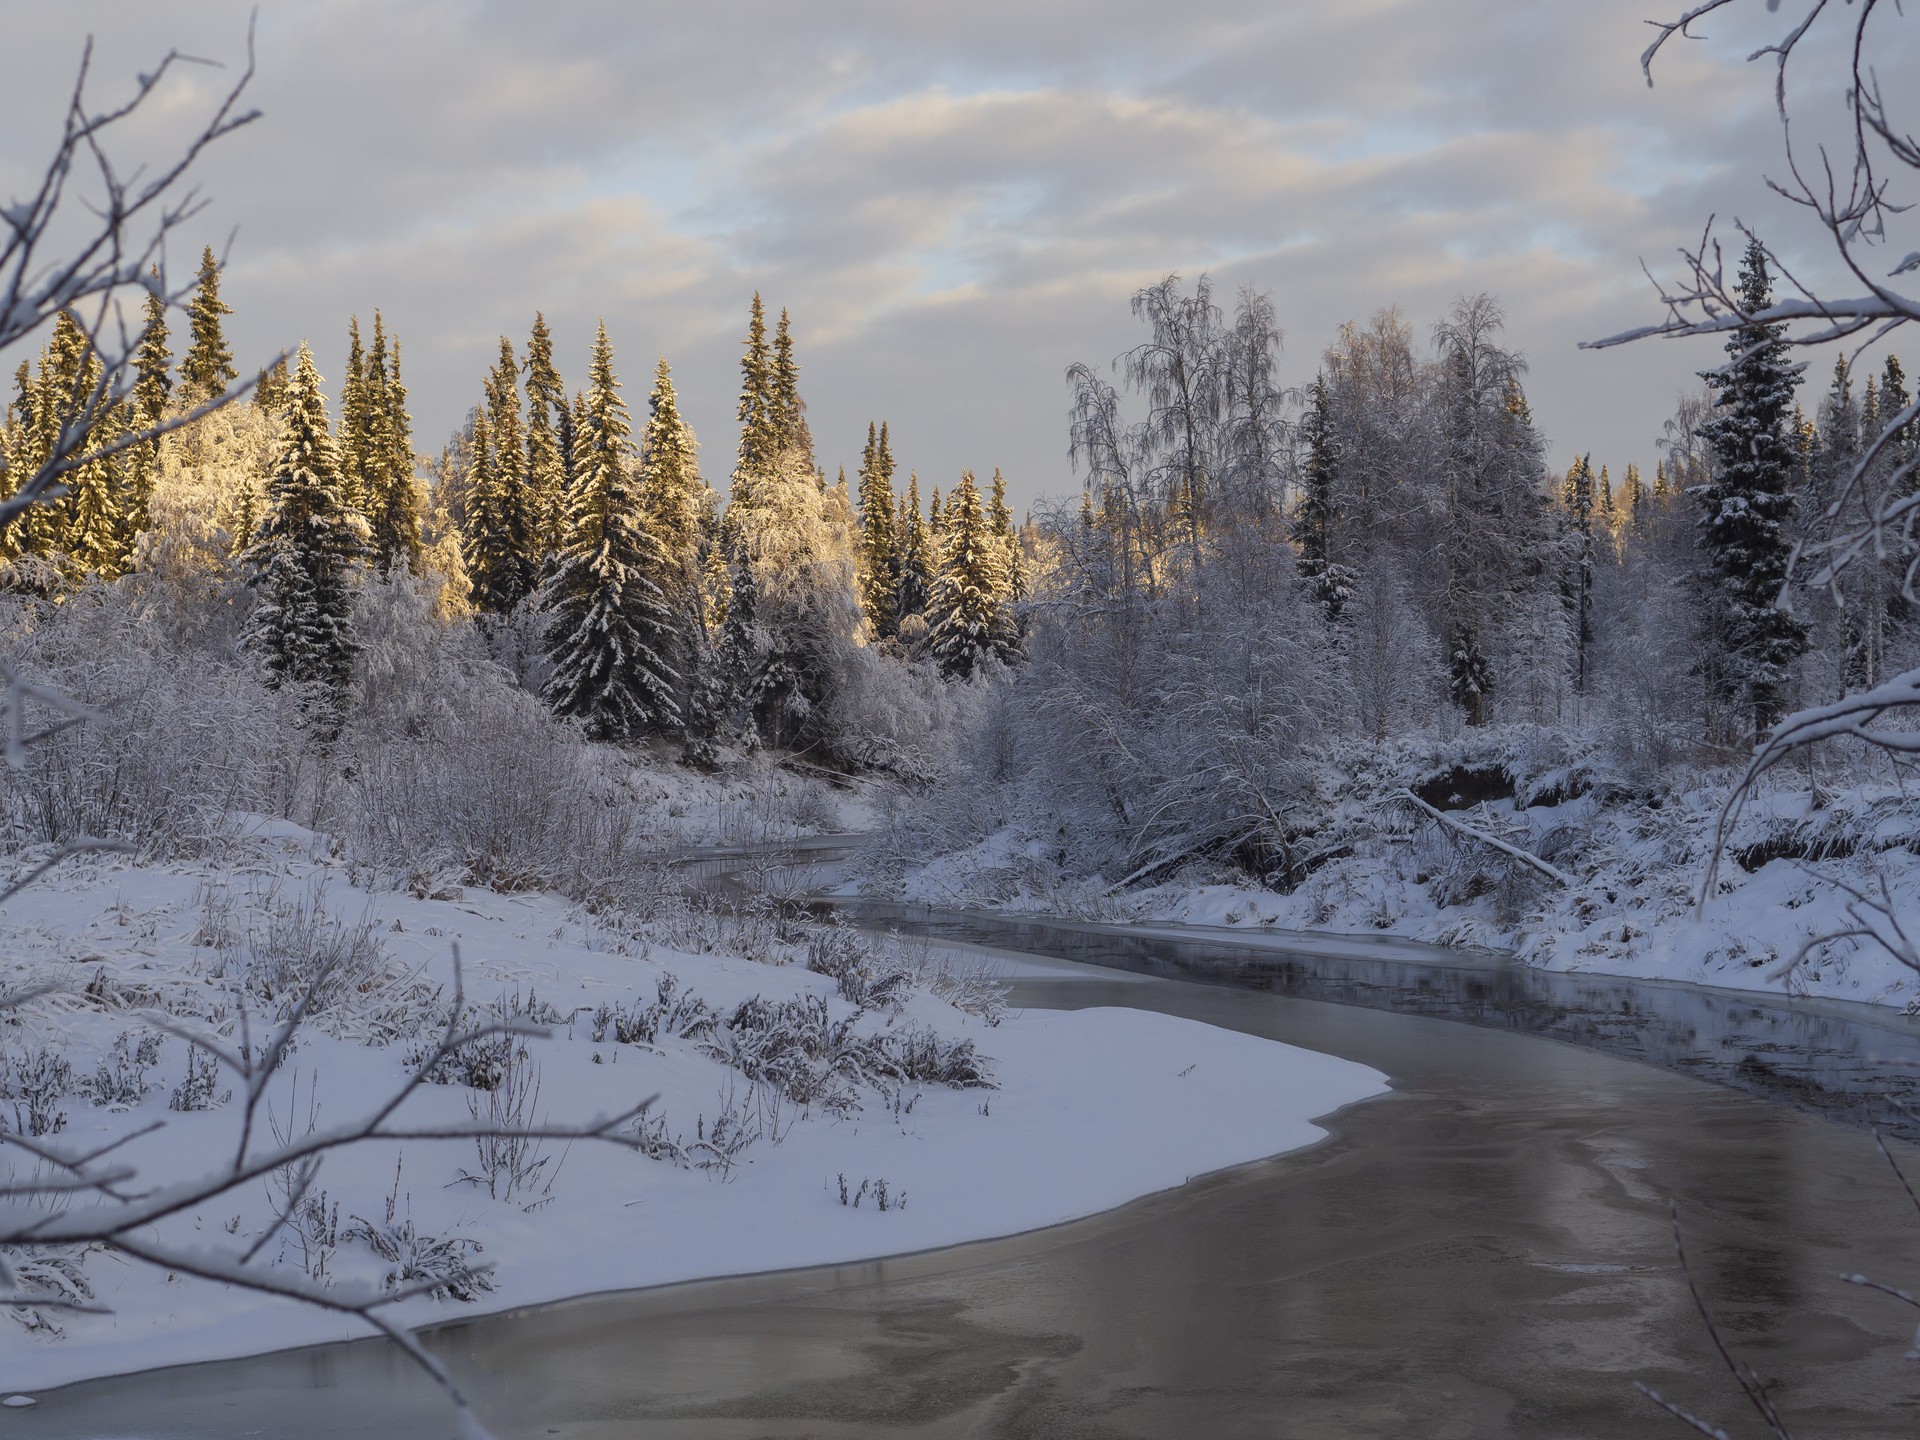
{"x":920,"y":1055}
{"x":673,"y":1011}
{"x":183,"y":741}
{"x":498,"y":791}
{"x":867,"y":978}
{"x":510,"y":1161}
{"x":414,"y":1258}
{"x":309,"y":1226}
{"x":795,"y":1046}
{"x":975,"y":989}
{"x":513,"y":1005}
{"x":717,"y":1147}
{"x":35,"y":1082}
{"x":478,"y":1062}
{"x":282,"y":950}
{"x":900,"y":719}
{"x":650,"y":1137}
{"x":56,"y":1271}
{"x":200,"y":1089}
{"x":121,"y":1076}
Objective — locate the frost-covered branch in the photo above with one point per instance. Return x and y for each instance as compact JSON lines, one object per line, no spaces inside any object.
{"x":1852,"y":197}
{"x":1512,"y":852}
{"x":117,"y":1205}
{"x":120,"y":248}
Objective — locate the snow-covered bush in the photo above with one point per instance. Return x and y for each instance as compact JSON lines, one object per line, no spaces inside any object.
{"x":35,"y":1081}
{"x":478,"y":1063}
{"x":281,"y":949}
{"x":121,"y":1076}
{"x":498,"y":790}
{"x":672,"y":1012}
{"x":200,"y":1089}
{"x":510,"y":1159}
{"x":415,"y":1260}
{"x":55,"y":1271}
{"x":183,"y":740}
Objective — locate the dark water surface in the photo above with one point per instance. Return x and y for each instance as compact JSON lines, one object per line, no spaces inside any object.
{"x":1484,"y":1252}
{"x":1849,"y":1062}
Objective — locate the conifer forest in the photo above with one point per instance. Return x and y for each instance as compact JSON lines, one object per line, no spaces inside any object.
{"x":1367,"y":883}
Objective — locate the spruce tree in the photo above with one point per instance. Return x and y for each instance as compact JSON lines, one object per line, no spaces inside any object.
{"x":1578,"y":497}
{"x":270,"y":389}
{"x":609,"y":626}
{"x":206,"y":370}
{"x":674,"y":493}
{"x":393,"y":509}
{"x":500,"y":542}
{"x":547,"y":420}
{"x":152,"y":387}
{"x":788,"y":410}
{"x":303,"y":558}
{"x":1747,"y":505}
{"x":677,"y":506}
{"x":1899,"y":473}
{"x":1314,"y":519}
{"x":356,"y":412}
{"x":758,"y":412}
{"x":1633,"y":496}
{"x":727,"y":707}
{"x":569,"y":433}
{"x":1007,"y":640}
{"x":879,"y":574}
{"x":88,"y":526}
{"x":915,"y":548}
{"x":965,"y":619}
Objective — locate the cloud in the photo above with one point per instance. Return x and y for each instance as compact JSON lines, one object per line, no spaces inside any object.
{"x":953,"y":201}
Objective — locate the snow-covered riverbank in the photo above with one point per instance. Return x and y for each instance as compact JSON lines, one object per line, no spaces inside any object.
{"x":1616,"y":892}
{"x":1085,"y":1110}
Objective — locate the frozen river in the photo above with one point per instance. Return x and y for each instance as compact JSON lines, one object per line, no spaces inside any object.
{"x":1485,"y":1252}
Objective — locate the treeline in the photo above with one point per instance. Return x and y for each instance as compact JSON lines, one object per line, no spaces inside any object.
{"x":1260,"y":589}
{"x":597,"y":561}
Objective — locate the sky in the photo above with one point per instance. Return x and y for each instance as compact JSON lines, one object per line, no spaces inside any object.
{"x":954,"y":202}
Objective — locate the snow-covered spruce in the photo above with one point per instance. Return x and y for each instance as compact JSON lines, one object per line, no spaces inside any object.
{"x":610,"y":629}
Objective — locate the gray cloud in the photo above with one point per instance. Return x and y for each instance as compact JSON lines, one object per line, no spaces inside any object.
{"x":954,"y":201}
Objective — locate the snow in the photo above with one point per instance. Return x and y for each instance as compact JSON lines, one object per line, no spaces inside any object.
{"x":1635,"y":862}
{"x":1093,"y":1108}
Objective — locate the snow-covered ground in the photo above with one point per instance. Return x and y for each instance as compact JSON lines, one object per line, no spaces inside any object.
{"x":1636,"y":857}
{"x":1086,"y":1109}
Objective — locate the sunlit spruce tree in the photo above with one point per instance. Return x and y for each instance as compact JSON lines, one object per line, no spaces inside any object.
{"x":609,"y":627}
{"x":1007,"y":643}
{"x":965,"y":618}
{"x":302,"y":562}
{"x":548,"y":428}
{"x":677,"y":508}
{"x":915,"y":551}
{"x":206,"y":370}
{"x":499,"y":549}
{"x":758,"y":413}
{"x":152,"y":389}
{"x":879,"y":574}
{"x":88,"y":530}
{"x":391,"y":506}
{"x":352,"y":442}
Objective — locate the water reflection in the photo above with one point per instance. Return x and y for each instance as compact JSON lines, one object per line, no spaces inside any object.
{"x":1840,"y":1061}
